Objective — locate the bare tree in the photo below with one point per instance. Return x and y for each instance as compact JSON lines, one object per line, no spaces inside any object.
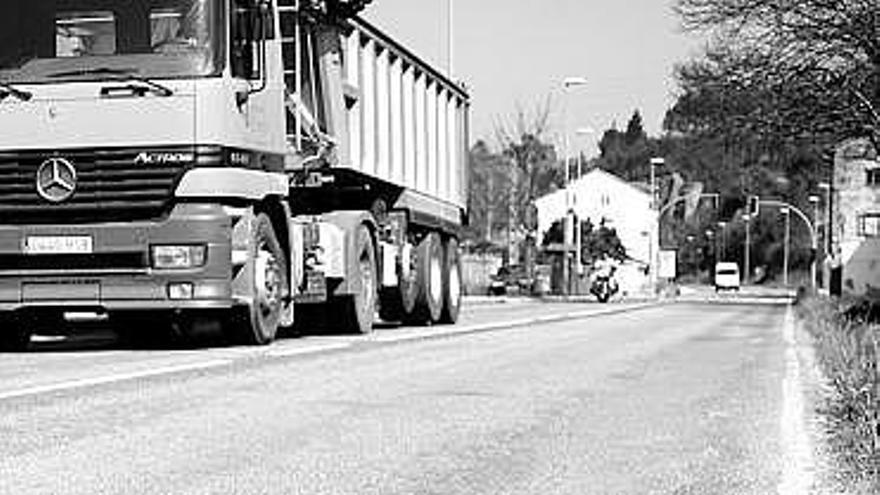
{"x":794,"y":53}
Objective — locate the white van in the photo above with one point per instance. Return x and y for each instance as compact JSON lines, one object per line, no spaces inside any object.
{"x":726,"y":276}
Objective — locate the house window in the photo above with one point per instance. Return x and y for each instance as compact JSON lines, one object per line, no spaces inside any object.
{"x":873,"y":176}
{"x":869,"y":225}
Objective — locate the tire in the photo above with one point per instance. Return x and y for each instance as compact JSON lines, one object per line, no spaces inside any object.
{"x":451,"y":282}
{"x":429,"y":279}
{"x":356,"y":312}
{"x":257,"y":322}
{"x":397,"y":302}
{"x":15,"y":335}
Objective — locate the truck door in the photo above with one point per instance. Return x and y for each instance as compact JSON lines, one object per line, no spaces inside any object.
{"x":255,"y":62}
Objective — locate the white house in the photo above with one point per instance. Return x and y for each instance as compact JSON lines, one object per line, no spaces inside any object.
{"x":624,"y":206}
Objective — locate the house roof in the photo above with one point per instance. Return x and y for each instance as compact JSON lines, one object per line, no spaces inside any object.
{"x":592,"y":174}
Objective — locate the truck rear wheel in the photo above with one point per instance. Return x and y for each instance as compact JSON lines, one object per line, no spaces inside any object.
{"x":257,"y":322}
{"x":397,"y":302}
{"x":357,"y":311}
{"x":15,"y":336}
{"x":451,"y":282}
{"x":429,"y":279}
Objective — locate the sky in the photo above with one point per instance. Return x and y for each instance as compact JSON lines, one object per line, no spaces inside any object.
{"x":516,"y":53}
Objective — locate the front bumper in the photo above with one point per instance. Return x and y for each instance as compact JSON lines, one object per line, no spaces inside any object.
{"x":117,"y":275}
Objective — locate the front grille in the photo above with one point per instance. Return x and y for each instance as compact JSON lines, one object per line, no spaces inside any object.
{"x":95,"y":261}
{"x":110,"y":187}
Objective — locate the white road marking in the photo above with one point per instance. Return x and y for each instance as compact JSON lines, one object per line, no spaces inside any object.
{"x":797,"y":459}
{"x":116,"y":378}
{"x":403,"y":336}
{"x":298,"y":351}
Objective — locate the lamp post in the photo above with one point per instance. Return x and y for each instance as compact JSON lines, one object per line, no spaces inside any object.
{"x":568,"y":82}
{"x":785,"y":211}
{"x":723,"y":239}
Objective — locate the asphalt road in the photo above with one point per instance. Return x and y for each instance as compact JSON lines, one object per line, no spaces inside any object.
{"x":671,"y":398}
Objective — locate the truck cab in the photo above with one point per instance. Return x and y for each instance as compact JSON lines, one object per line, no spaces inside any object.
{"x":215,"y":163}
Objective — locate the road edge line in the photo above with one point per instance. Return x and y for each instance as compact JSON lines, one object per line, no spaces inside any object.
{"x":797,"y":454}
{"x":432,"y":333}
{"x":110,"y":379}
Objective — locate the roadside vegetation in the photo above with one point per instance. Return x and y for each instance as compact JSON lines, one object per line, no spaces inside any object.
{"x":847,"y":345}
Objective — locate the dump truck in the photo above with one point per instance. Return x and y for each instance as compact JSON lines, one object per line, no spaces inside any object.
{"x":231,"y":166}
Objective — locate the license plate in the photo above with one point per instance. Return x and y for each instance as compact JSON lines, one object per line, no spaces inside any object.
{"x":67,"y":244}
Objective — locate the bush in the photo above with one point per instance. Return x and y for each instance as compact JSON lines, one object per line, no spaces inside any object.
{"x":847,"y":349}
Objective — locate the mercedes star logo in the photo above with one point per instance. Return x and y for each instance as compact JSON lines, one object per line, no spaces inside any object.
{"x":56,"y":180}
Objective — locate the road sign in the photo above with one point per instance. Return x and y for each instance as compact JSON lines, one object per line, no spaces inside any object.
{"x":667,"y":263}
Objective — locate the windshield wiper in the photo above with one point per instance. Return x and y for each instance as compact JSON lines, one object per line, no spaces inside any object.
{"x":123,"y":75}
{"x":7,"y":89}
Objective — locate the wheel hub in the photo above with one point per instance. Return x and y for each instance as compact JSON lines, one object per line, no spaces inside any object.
{"x":267,"y":282}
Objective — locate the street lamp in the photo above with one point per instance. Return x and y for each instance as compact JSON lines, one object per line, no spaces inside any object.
{"x":568,"y":82}
{"x":723,"y":240}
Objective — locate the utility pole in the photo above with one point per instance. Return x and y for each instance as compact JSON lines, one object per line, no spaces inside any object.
{"x":568,"y":226}
{"x":489,"y":207}
{"x":511,"y":214}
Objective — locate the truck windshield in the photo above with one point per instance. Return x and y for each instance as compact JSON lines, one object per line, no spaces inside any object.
{"x":53,"y":40}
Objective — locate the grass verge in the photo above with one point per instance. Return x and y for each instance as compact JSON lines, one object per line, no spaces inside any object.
{"x":847,"y":347}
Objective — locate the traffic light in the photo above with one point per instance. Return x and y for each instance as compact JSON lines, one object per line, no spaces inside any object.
{"x":753,"y":205}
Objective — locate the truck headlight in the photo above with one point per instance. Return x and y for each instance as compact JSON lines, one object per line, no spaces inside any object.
{"x":171,"y":257}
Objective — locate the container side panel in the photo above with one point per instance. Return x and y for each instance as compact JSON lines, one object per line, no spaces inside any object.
{"x":431,"y":97}
{"x":409,"y":127}
{"x":421,"y":135}
{"x":368,"y":123}
{"x":442,"y":146}
{"x":383,"y":115}
{"x":354,"y":76}
{"x":452,"y":143}
{"x":463,"y":165}
{"x":397,"y":149}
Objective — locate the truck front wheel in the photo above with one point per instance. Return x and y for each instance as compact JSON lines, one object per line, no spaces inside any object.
{"x":257,"y":322}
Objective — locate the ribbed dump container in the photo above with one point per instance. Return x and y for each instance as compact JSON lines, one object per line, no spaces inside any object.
{"x":409,"y":125}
